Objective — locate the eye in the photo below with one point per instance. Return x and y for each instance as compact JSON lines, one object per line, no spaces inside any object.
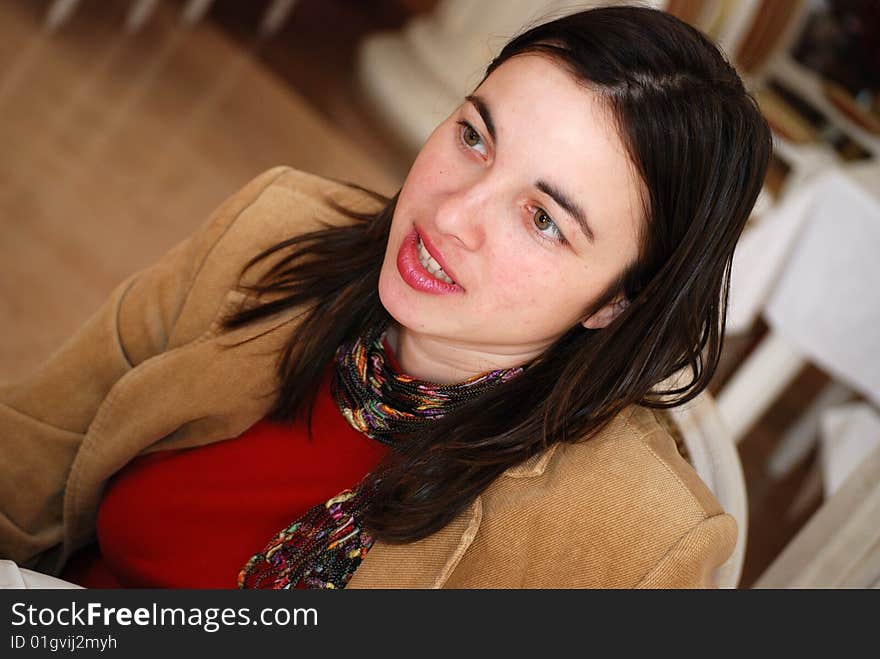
{"x":471,"y":138}
{"x":547,"y":228}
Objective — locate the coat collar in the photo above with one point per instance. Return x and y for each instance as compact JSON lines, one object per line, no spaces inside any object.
{"x":534,"y":466}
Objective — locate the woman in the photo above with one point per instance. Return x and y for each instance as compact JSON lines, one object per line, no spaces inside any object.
{"x":451,"y":388}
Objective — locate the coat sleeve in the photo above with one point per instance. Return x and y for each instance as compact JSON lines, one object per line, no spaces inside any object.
{"x":44,"y":417}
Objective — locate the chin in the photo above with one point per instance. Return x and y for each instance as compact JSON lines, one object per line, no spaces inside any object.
{"x":393,"y":296}
{"x":401,"y":302}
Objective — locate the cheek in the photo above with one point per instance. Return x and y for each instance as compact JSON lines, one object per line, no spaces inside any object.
{"x":527,"y":284}
{"x":431,"y":167}
{"x":540,"y":291}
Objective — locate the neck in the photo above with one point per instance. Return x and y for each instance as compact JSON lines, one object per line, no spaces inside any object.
{"x":443,"y":362}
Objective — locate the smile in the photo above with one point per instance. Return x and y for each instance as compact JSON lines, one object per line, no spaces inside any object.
{"x":431,"y":265}
{"x":421,"y":271}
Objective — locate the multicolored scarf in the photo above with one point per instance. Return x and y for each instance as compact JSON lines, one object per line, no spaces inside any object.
{"x":323,"y":548}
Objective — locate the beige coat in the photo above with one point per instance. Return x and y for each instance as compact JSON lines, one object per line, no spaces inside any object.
{"x":149,"y":371}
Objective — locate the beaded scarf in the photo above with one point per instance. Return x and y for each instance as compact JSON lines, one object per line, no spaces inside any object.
{"x":323,"y":548}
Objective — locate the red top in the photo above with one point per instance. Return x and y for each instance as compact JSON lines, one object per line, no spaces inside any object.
{"x":191,"y":518}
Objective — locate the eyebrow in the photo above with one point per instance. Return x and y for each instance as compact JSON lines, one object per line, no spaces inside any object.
{"x":549,"y":189}
{"x":568,"y":205}
{"x":483,"y":110}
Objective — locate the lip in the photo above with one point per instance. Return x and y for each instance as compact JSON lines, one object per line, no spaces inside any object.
{"x":415,"y":274}
{"x":435,"y":254}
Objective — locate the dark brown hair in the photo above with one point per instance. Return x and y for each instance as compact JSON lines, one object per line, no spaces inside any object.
{"x":701,"y":147}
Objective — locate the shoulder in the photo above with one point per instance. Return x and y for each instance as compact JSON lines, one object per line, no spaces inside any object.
{"x":634,"y":459}
{"x":653,"y":509}
{"x":279,"y":204}
{"x":319,"y":192}
{"x":622,"y":509}
{"x":283,"y":202}
{"x":637,"y":458}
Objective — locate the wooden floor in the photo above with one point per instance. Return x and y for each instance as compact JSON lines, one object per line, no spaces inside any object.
{"x":115,"y":147}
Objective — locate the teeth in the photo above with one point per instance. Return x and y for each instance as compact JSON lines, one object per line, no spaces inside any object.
{"x":431,"y":265}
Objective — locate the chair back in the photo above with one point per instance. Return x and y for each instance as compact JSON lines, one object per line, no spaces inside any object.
{"x":714,"y":457}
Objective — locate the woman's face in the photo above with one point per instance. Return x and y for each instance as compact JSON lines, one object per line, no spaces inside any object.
{"x":527,"y":199}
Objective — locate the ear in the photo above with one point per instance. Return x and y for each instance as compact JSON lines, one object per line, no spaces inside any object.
{"x":604,"y":316}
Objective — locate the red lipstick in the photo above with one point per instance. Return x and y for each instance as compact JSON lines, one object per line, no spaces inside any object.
{"x":414,"y":273}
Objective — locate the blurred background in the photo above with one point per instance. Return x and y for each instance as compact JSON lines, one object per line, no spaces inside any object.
{"x":125,"y":122}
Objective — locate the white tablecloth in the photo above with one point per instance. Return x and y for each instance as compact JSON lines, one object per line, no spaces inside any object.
{"x":813,"y":265}
{"x":827,"y":299}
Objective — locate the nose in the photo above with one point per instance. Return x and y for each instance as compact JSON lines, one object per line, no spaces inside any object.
{"x":462,"y":215}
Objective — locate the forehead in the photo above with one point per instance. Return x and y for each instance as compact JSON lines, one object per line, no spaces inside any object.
{"x":532,"y":86}
{"x":549,"y":126}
